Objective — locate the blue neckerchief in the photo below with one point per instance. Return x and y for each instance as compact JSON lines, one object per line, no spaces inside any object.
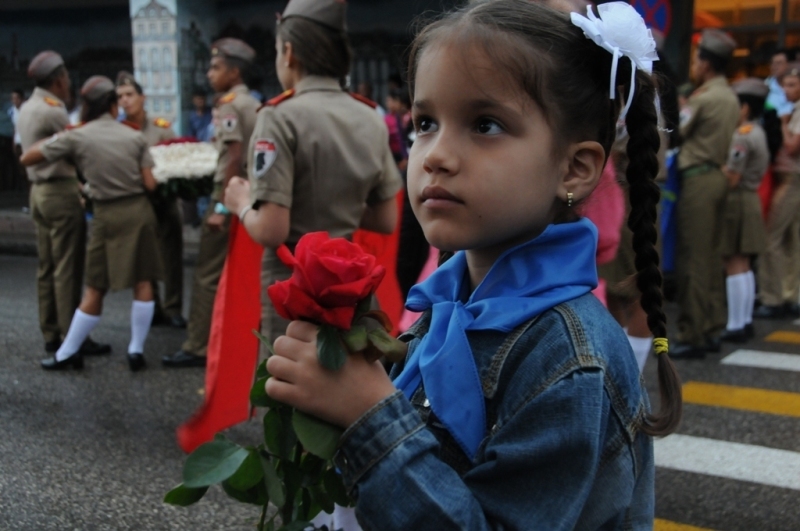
{"x":557,"y":266}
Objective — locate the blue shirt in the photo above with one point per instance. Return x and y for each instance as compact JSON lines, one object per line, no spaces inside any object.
{"x":776,"y":99}
{"x":198,"y":125}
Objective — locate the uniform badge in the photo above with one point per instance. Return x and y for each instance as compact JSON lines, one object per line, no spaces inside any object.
{"x":738,"y":152}
{"x":227,"y":98}
{"x":52,"y":102}
{"x":229,"y":122}
{"x":264,"y":154}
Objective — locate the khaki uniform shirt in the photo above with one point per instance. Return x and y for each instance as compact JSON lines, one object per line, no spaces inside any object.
{"x":237,"y":118}
{"x":708,"y":123}
{"x":749,"y":155}
{"x":784,"y":162}
{"x":324,"y":155}
{"x":109,"y":154}
{"x":42,"y":116}
{"x":156,"y":131}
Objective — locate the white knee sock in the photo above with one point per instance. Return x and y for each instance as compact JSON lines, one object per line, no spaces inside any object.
{"x":751,"y":298}
{"x":141,"y":317}
{"x":641,"y":349}
{"x":80,"y":328}
{"x":737,"y":287}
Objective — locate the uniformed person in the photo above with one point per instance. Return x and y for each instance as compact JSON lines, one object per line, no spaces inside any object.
{"x":319,"y":159}
{"x":707,"y":126}
{"x":231,"y":58}
{"x":168,"y":214}
{"x":777,"y":266}
{"x":744,"y":234}
{"x":123,"y":250}
{"x":55,"y":205}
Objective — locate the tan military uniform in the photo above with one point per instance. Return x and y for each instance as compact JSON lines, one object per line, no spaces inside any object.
{"x":237,"y":117}
{"x":325,"y":156}
{"x":707,"y":125}
{"x":59,"y":217}
{"x":169,"y":231}
{"x":743,"y":231}
{"x":123,"y":249}
{"x":779,"y":270}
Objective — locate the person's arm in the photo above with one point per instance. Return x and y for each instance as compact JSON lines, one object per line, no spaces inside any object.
{"x":268,"y":225}
{"x":737,"y":159}
{"x":56,"y":147}
{"x":33,"y":155}
{"x":381,"y":217}
{"x":791,"y":140}
{"x":217,"y":221}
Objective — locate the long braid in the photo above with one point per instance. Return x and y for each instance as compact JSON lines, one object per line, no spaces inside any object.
{"x":643,"y":144}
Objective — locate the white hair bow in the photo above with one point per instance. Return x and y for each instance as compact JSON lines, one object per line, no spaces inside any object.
{"x":622,"y":31}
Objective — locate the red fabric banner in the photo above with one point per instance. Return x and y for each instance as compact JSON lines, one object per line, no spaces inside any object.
{"x":232,"y":347}
{"x":765,"y":192}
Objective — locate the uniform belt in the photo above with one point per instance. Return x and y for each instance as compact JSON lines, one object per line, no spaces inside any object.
{"x":56,"y":179}
{"x":698,"y":169}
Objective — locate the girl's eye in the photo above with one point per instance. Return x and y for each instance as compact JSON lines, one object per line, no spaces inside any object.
{"x":426,"y":125}
{"x":487,"y":126}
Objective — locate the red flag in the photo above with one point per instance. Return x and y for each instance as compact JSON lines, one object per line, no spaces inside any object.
{"x":765,"y":192}
{"x":232,"y":347}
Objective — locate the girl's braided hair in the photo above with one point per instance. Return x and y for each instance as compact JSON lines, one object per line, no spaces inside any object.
{"x":567,"y":75}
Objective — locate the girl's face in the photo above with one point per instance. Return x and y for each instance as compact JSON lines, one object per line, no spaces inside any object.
{"x":482,"y":175}
{"x":791,"y":86}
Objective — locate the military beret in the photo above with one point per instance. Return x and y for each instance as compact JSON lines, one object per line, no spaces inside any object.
{"x":233,"y":48}
{"x":96,"y":87}
{"x":751,"y":86}
{"x":793,"y":69}
{"x":717,"y":42}
{"x":330,"y":13}
{"x":43,"y":65}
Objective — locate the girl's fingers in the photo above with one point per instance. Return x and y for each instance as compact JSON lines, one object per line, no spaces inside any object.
{"x":280,"y":391}
{"x":302,"y":330}
{"x":282,"y":368}
{"x":289,"y":347}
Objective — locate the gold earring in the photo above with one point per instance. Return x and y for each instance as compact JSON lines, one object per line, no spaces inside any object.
{"x":569,"y":199}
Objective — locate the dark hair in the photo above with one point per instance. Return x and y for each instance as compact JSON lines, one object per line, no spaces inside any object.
{"x":128,"y":81}
{"x":755,"y":104}
{"x":240,"y":64}
{"x":789,"y":54}
{"x":198,"y":93}
{"x":94,"y":109}
{"x":401,"y":95}
{"x":773,"y":127}
{"x":321,"y":51}
{"x":52,"y":77}
{"x":19,"y":92}
{"x":718,"y":64}
{"x":567,"y":75}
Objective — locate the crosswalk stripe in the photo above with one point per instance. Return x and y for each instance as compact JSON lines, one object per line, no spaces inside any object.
{"x":742,"y":462}
{"x":763,"y":360}
{"x":784,"y":336}
{"x":666,"y":525}
{"x":744,"y":398}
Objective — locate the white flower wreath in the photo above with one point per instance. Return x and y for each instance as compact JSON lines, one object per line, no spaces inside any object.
{"x":622,"y":31}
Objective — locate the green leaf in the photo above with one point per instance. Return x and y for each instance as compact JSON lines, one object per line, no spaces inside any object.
{"x":279,"y":435}
{"x":312,"y":467}
{"x":334,"y":486}
{"x":322,"y":498}
{"x":259,"y":396}
{"x":355,"y":338}
{"x":249,"y":472}
{"x":317,"y":436}
{"x":264,"y":341}
{"x":273,"y":483}
{"x":365,"y":306}
{"x":261,"y":371}
{"x":394,"y":349}
{"x":212,"y":463}
{"x":255,"y":495}
{"x":330,"y":348}
{"x":184,"y":496}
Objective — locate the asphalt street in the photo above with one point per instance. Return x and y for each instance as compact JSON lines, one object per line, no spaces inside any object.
{"x":96,"y":450}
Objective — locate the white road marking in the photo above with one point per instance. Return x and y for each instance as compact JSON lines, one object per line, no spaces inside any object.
{"x":763,"y":360}
{"x":743,"y":462}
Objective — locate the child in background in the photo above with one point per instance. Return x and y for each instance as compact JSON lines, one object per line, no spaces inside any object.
{"x":519,"y":405}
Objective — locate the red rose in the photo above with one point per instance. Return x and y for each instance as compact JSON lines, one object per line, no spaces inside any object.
{"x":330,"y":277}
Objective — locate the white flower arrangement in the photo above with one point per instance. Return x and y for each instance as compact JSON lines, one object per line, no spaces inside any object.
{"x":185,"y":160}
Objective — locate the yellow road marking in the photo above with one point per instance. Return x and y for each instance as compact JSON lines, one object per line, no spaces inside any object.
{"x":666,"y":525}
{"x":744,"y":398}
{"x":783,"y":336}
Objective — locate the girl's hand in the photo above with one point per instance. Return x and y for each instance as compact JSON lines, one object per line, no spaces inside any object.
{"x":237,"y":195}
{"x":339,"y":397}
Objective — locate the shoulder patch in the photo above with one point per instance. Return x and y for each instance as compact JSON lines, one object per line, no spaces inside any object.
{"x":70,"y":127}
{"x":162,"y":123}
{"x":131,"y":125}
{"x":745,"y":129}
{"x":227,"y":98}
{"x":277,"y":100}
{"x":52,"y":102}
{"x":364,"y":100}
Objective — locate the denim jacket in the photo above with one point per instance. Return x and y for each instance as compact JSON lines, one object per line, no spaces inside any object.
{"x":563,"y":447}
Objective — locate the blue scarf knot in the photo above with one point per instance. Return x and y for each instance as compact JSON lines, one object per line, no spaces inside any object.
{"x":557,"y":266}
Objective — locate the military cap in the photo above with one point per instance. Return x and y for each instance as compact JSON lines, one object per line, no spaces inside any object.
{"x":330,"y":13}
{"x":96,"y":87}
{"x":793,"y":69}
{"x":124,"y":77}
{"x":751,"y":86}
{"x":43,"y":65}
{"x":717,"y":42}
{"x":234,"y":49}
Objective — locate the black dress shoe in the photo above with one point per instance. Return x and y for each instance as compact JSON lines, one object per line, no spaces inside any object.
{"x":161,"y":319}
{"x":735,"y":336}
{"x":713,"y":344}
{"x":177,"y":321}
{"x":183,"y":359}
{"x":73,"y":362}
{"x":687,"y":351}
{"x":52,"y":346}
{"x":769,"y":312}
{"x":791,"y":309}
{"x":92,"y":348}
{"x":750,"y":330}
{"x":136,"y":362}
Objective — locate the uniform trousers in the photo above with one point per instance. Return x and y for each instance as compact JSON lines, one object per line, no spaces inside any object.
{"x":699,"y":267}
{"x":272,"y":324}
{"x":169,"y":230}
{"x":778,"y":269}
{"x":61,"y":241}
{"x":210,"y":260}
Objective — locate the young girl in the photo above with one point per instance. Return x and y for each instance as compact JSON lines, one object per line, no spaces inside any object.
{"x":123,"y":250}
{"x":519,"y":405}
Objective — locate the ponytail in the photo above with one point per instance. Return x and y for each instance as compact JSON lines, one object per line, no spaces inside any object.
{"x":643,"y":144}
